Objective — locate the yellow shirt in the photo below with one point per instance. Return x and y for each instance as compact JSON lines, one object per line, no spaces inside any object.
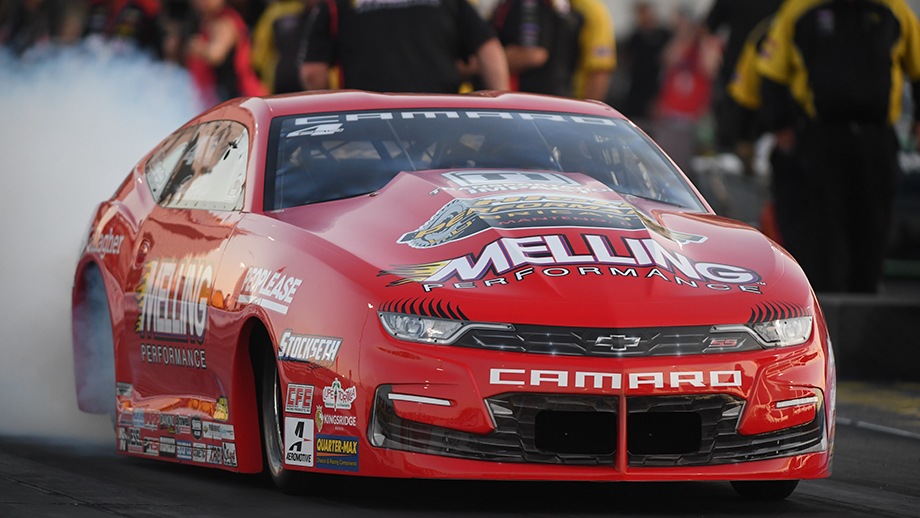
{"x":596,"y":42}
{"x":781,"y":61}
{"x":264,"y":55}
{"x":744,"y":85}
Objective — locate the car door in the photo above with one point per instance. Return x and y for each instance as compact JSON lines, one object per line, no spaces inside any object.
{"x":173,"y":290}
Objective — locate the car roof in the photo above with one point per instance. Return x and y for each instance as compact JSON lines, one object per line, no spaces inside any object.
{"x":356,"y":100}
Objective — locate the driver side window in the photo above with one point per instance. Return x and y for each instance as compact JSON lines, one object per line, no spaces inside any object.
{"x":201,"y":167}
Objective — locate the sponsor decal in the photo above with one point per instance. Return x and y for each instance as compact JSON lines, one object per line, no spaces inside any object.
{"x":135,"y":444}
{"x":337,"y":120}
{"x":183,"y":424}
{"x":299,"y":399}
{"x":167,"y":447}
{"x":462,"y":218}
{"x":137,"y":417}
{"x":229,"y":454}
{"x":212,"y":430}
{"x":298,"y":441}
{"x":105,"y":244}
{"x":124,"y":390}
{"x":215,"y":454}
{"x":173,"y":300}
{"x":122,"y":438}
{"x":197,"y":428}
{"x":339,"y":421}
{"x":227,"y":433}
{"x":318,"y":350}
{"x":272,"y":290}
{"x":507,"y":260}
{"x":506,"y":178}
{"x":222,"y":409}
{"x":168,"y":423}
{"x":125,"y":418}
{"x":337,"y":452}
{"x":152,"y":446}
{"x":319,"y":419}
{"x":184,"y":450}
{"x":151,"y":419}
{"x":614,"y":380}
{"x":199,"y":452}
{"x":319,"y":130}
{"x":337,"y":398}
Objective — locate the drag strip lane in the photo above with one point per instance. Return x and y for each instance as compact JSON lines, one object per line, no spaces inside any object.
{"x":875,"y":474}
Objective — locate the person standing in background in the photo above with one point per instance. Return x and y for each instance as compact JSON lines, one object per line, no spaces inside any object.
{"x":218,"y":55}
{"x":276,"y":43}
{"x":777,"y":217}
{"x":643,"y":51}
{"x":833,"y":73}
{"x":404,"y":46}
{"x":597,"y":56}
{"x":733,"y":21}
{"x":128,"y":22}
{"x":249,"y":10}
{"x":541,"y":43}
{"x":25,"y":24}
{"x":690,"y":61}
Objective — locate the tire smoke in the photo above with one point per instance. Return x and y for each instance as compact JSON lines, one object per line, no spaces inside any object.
{"x":75,"y":121}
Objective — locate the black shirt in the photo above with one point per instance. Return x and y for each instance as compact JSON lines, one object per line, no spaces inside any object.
{"x":538,"y":23}
{"x":395,"y":45}
{"x":739,"y":17}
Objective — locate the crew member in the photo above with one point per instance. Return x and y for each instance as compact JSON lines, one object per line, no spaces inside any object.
{"x":833,"y":76}
{"x":126,"y":22}
{"x":541,"y":43}
{"x":597,"y":54}
{"x":275,"y":44}
{"x":218,"y":56}
{"x":404,"y":46}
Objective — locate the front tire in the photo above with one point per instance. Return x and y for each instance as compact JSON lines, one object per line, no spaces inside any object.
{"x":764,"y":490}
{"x":93,"y":346}
{"x":271,"y":400}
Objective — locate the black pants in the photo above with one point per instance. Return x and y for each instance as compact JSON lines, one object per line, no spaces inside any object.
{"x":839,"y":222}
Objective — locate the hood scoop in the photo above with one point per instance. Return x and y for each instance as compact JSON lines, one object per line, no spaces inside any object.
{"x":461,"y":218}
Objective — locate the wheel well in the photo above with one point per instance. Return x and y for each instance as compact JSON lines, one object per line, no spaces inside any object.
{"x":261,"y":352}
{"x":259,"y":348}
{"x":93,"y":343}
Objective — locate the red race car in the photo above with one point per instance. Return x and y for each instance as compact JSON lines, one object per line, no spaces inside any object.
{"x":494,"y":285}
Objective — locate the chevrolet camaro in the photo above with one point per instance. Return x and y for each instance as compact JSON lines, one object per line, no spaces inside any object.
{"x":492,"y":285}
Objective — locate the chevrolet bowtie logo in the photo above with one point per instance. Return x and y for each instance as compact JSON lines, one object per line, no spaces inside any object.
{"x":617,"y":343}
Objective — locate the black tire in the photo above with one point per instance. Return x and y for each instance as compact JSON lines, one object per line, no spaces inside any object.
{"x":94,"y":346}
{"x":272,"y":419}
{"x":764,"y":490}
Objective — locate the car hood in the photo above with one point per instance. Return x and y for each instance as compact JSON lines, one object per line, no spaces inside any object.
{"x":532,"y":247}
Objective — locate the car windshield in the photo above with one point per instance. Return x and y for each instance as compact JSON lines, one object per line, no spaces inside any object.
{"x":321,"y":157}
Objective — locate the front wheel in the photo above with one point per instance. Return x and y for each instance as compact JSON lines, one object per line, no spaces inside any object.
{"x":764,"y":490}
{"x":272,"y":417}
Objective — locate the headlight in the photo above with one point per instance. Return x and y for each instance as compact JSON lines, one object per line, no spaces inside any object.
{"x":415,"y":328}
{"x":775,"y":333}
{"x":787,"y":331}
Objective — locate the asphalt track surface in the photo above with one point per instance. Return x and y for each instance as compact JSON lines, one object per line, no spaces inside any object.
{"x":876,"y":473}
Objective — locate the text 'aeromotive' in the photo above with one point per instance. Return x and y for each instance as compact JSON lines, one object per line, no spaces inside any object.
{"x":496,"y":285}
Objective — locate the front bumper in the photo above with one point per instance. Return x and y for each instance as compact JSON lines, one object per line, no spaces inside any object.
{"x":583,"y":430}
{"x":463,"y":413}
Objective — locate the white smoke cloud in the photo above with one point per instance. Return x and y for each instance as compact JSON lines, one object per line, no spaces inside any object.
{"x":73,"y":122}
